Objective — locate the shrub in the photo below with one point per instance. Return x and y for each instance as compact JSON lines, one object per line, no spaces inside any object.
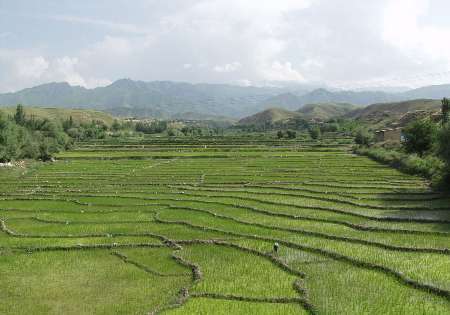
{"x":291,"y":134}
{"x":419,"y":136}
{"x":445,"y":110}
{"x":428,"y":167}
{"x":280,"y":134}
{"x":443,"y":144}
{"x":329,"y":127}
{"x":314,"y":132}
{"x":19,"y":116}
{"x":443,"y":150}
{"x":31,"y":138}
{"x":363,"y":137}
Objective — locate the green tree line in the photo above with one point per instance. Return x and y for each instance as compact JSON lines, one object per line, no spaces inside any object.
{"x":425,"y":148}
{"x":27,"y":137}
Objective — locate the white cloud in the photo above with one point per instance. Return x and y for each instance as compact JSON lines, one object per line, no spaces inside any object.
{"x":279,"y":71}
{"x":243,"y":82}
{"x":6,"y":34}
{"x":65,"y":70}
{"x":27,"y":68}
{"x":227,"y":68}
{"x":114,"y":26}
{"x":31,"y":67}
{"x":111,"y":46}
{"x":345,"y":42}
{"x":420,"y":41}
{"x":312,"y":63}
{"x":21,"y":69}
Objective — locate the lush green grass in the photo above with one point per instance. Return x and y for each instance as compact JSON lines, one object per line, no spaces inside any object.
{"x":187,"y":226}
{"x":80,"y":282}
{"x":206,"y":306}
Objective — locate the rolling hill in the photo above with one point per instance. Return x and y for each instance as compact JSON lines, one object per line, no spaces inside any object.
{"x":387,"y":113}
{"x":269,"y":116}
{"x":286,"y":100}
{"x":325,"y":111}
{"x":78,"y":115}
{"x":310,"y":112}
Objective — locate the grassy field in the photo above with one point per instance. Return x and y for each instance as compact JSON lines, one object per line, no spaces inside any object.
{"x":187,"y":226}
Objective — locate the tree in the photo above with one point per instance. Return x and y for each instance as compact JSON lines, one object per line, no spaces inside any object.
{"x":329,"y":127}
{"x":10,"y":142}
{"x":151,"y":127}
{"x":280,"y":134}
{"x":68,"y":124}
{"x":443,"y":144}
{"x":363,"y":137}
{"x":171,"y":132}
{"x":314,"y":132}
{"x":445,"y":110}
{"x":443,"y":150}
{"x":419,"y":136}
{"x":291,"y":134}
{"x":116,"y":125}
{"x":30,"y":149}
{"x":19,"y":116}
{"x":45,"y":150}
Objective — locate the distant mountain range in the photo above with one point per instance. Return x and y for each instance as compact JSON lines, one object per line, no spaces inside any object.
{"x":292,"y":101}
{"x":147,"y":99}
{"x":166,"y":99}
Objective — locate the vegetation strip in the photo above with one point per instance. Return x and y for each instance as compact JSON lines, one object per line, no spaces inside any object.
{"x":127,"y":260}
{"x":445,"y":251}
{"x":397,"y":275}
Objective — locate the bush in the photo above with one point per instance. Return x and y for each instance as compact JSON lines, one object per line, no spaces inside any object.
{"x":443,"y":144}
{"x":151,"y":127}
{"x":23,"y":138}
{"x":329,"y":127}
{"x":171,"y":132}
{"x":419,"y":136}
{"x":363,"y":137}
{"x":314,"y":132}
{"x":280,"y":134}
{"x":443,"y":150}
{"x":428,"y":167}
{"x":291,"y":134}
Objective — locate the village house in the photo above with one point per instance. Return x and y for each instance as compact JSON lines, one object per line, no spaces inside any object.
{"x":389,"y":134}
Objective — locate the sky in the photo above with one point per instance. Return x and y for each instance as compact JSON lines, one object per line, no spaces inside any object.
{"x":347,"y":44}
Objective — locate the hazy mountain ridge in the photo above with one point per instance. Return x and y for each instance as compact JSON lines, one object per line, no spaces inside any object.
{"x":166,"y":99}
{"x":321,"y":95}
{"x":137,"y":98}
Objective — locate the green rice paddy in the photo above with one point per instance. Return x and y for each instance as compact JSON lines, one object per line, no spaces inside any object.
{"x":187,"y":226}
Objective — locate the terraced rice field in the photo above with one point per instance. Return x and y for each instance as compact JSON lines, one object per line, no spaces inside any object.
{"x":188,"y":227}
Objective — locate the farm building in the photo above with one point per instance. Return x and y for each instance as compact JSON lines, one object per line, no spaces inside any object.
{"x":390,"y":134}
